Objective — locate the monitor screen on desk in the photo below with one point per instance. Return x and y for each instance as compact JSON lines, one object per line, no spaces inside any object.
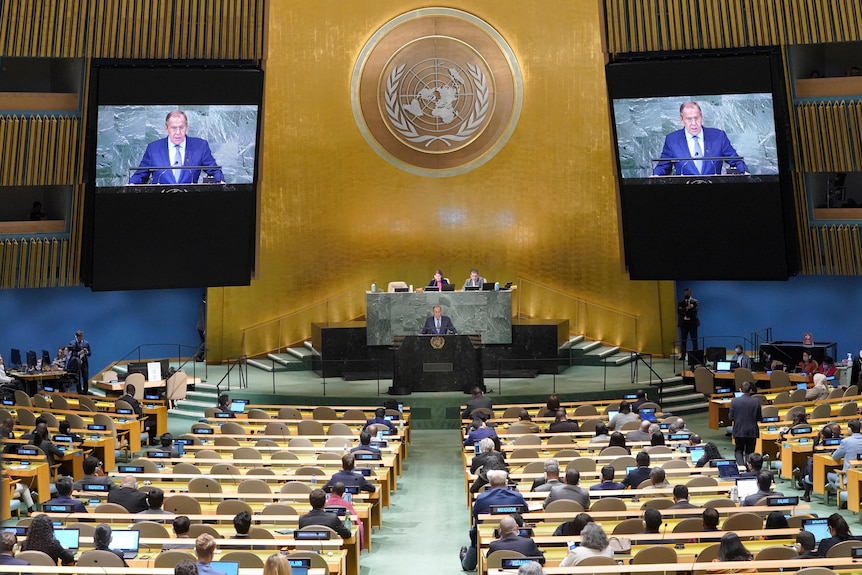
{"x":723,"y":366}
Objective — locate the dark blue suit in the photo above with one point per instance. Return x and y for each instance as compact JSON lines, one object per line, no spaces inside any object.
{"x":197,"y":153}
{"x":9,"y":560}
{"x":445,"y":326}
{"x":714,"y":143}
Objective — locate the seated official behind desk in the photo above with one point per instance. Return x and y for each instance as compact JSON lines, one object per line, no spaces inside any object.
{"x":438,"y":323}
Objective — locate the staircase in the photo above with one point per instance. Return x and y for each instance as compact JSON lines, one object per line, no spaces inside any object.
{"x":293,"y":359}
{"x":581,"y":351}
{"x":680,"y":398}
{"x":196,"y":402}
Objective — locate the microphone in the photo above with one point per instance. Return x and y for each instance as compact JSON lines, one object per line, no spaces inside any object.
{"x":158,"y":179}
{"x":663,"y":532}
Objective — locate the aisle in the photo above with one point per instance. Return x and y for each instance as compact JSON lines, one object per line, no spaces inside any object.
{"x":427,"y":521}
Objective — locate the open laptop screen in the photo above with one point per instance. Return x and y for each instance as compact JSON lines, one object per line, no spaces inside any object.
{"x":818,"y":527}
{"x":68,"y":538}
{"x":746,"y":486}
{"x":696,"y":454}
{"x":722,"y":366}
{"x":727,"y":468}
{"x":228,"y":567}
{"x":124,"y":540}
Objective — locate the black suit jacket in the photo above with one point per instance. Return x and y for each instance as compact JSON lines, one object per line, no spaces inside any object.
{"x":745,"y":412}
{"x":482,"y":401}
{"x":523,"y":545}
{"x":321,"y":517}
{"x":132,"y":499}
{"x":446,"y":325}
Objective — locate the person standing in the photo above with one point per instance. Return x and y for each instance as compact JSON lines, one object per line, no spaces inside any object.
{"x":745,"y":413}
{"x":200,"y":355}
{"x":687,"y":322}
{"x":438,"y":323}
{"x":80,"y":349}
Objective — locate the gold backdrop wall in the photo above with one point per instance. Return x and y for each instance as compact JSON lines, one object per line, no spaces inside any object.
{"x":335,"y":217}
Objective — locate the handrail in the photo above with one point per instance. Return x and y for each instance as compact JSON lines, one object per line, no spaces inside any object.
{"x":583,"y":315}
{"x":181,"y":359}
{"x":241,"y":365}
{"x":282,"y":331}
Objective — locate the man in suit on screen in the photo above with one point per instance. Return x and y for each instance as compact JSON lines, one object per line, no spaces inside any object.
{"x":694,"y":141}
{"x":178,"y":150}
{"x":438,"y":323}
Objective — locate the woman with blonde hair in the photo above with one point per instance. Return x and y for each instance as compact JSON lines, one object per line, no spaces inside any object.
{"x":276,"y":564}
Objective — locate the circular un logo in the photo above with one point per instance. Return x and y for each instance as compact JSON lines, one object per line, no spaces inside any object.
{"x":436,"y":92}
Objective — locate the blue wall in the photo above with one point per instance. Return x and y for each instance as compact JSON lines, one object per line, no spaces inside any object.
{"x":824,"y":306}
{"x":114,"y":322}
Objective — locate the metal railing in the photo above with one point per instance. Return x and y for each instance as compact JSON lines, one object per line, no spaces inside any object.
{"x":137,"y":354}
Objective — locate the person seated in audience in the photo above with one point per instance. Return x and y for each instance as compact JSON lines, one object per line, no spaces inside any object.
{"x":637,"y":476}
{"x":601,"y":435}
{"x":128,"y":495}
{"x":40,"y":537}
{"x":42,"y":440}
{"x":148,"y":423}
{"x":64,"y":496}
{"x":498,"y":494}
{"x":562,"y":423}
{"x":569,"y":490}
{"x":680,"y":498}
{"x":364,"y":443}
{"x":8,"y":546}
{"x":241,"y":525}
{"x":678,"y":426}
{"x":656,"y":438}
{"x":59,"y":362}
{"x":531,"y":568}
{"x":594,"y":543}
{"x":819,"y":390}
{"x":740,"y":358}
{"x":624,"y":416}
{"x":186,"y":567}
{"x":181,"y":525}
{"x":487,"y":459}
{"x":640,"y":399}
{"x":642,"y":433}
{"x":478,"y":400}
{"x":652,"y":524}
{"x":479,"y":430}
{"x":799,"y":418}
{"x":65,"y":428}
{"x":551,"y":407}
{"x":551,"y":478}
{"x":348,"y":476}
{"x":380,"y":419}
{"x":808,"y":365}
{"x":574,"y":527}
{"x":753,"y":465}
{"x":524,"y":420}
{"x":617,"y":439}
{"x":510,"y":540}
{"x":155,"y":500}
{"x":166,"y":445}
{"x":224,"y":404}
{"x":102,"y":537}
{"x":847,"y":450}
{"x":764,"y":484}
{"x":608,"y":482}
{"x":205,"y":548}
{"x":829,"y":369}
{"x":710,"y":453}
{"x":318,"y":516}
{"x":730,"y":548}
{"x":806,"y":545}
{"x":336,"y":499}
{"x":839,"y":531}
{"x":694,"y":439}
{"x":710,"y":519}
{"x":276,"y":564}
{"x":7,"y":429}
{"x":658,"y":479}
{"x":775,"y":520}
{"x":93,"y":474}
{"x":31,"y":434}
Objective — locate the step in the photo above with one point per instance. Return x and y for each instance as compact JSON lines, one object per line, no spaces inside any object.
{"x":185,"y":413}
{"x":622,"y":358}
{"x":210,"y":395}
{"x":585,"y":346}
{"x":675,"y":399}
{"x":573,"y":340}
{"x":265,"y":365}
{"x":206,"y":386}
{"x":604,"y":351}
{"x":284,"y":358}
{"x":702,"y":406}
{"x":301,"y":352}
{"x":201,"y":404}
{"x":677,"y":389}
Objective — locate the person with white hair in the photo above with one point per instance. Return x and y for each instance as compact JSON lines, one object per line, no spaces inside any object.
{"x":819,"y":390}
{"x":498,"y":494}
{"x":594,"y":543}
{"x":531,"y":568}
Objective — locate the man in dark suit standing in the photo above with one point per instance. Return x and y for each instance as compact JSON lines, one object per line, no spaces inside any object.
{"x":745,"y":414}
{"x":438,"y":323}
{"x":317,"y":516}
{"x":510,"y":541}
{"x":687,"y":321}
{"x":80,"y":348}
{"x":176,"y":150}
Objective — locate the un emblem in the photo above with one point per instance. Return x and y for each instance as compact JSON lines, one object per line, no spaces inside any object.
{"x":436,"y":92}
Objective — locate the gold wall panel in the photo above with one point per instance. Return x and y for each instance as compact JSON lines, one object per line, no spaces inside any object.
{"x":335,"y":217}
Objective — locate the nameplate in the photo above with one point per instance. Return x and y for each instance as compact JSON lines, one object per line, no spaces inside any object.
{"x":437,"y":367}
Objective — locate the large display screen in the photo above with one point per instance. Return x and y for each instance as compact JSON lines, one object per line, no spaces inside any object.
{"x":172,"y":174}
{"x":702,"y":150}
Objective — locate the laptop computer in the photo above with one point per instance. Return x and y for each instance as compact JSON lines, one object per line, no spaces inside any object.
{"x":696,"y":453}
{"x":227,"y":567}
{"x":612,"y":413}
{"x":125,"y":541}
{"x":737,"y":394}
{"x":471,"y":288}
{"x":238,"y":405}
{"x":802,"y":385}
{"x":818,"y":527}
{"x":722,"y":366}
{"x":746,"y":486}
{"x":68,"y":538}
{"x":727,"y":468}
{"x":647,"y":414}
